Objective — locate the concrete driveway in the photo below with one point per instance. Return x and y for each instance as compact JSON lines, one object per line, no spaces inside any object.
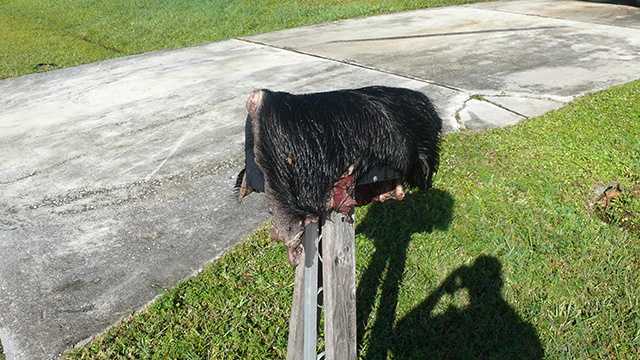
{"x":115,"y":177}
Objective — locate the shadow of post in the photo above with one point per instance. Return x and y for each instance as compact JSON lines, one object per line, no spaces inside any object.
{"x":487,"y":328}
{"x":390,"y":226}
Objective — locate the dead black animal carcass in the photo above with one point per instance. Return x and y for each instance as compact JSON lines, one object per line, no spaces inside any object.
{"x":312,"y":153}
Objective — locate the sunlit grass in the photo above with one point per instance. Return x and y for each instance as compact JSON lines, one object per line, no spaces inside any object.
{"x":71,"y":32}
{"x":503,"y":259}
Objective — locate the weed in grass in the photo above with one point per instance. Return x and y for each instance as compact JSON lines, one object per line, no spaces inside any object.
{"x":616,"y":206}
{"x":45,"y":67}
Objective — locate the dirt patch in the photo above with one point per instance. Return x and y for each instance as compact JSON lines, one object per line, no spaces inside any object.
{"x":45,"y":66}
{"x":615,"y":205}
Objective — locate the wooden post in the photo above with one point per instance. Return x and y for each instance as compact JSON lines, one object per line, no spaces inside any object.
{"x":338,"y":292}
{"x":339,"y":287}
{"x":303,"y":323}
{"x":310,"y":292}
{"x":296,"y":320}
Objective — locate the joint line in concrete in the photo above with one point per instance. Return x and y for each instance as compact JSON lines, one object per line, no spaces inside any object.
{"x":482,"y":98}
{"x":430,"y":82}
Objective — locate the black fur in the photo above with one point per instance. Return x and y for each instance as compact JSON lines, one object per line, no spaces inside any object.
{"x":254,"y":176}
{"x":240,"y":178}
{"x":304,"y":143}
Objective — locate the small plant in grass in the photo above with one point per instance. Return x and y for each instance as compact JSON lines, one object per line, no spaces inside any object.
{"x":619,"y":207}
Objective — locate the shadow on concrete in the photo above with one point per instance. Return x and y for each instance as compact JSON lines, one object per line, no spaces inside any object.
{"x":390,"y":226}
{"x":448,"y":34}
{"x":488,"y":327}
{"x":617,"y":2}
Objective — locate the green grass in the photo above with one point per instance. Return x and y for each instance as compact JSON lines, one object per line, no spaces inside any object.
{"x":503,"y":259}
{"x":71,"y":32}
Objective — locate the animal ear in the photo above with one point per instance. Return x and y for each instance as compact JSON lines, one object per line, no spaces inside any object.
{"x":241,"y":186}
{"x":255,"y":103}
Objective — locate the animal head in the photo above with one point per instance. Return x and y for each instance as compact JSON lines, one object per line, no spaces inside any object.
{"x":285,"y":227}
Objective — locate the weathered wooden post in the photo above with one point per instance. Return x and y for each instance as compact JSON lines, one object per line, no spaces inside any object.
{"x":337,"y":290}
{"x":295,"y":344}
{"x":303,"y":323}
{"x":339,"y":287}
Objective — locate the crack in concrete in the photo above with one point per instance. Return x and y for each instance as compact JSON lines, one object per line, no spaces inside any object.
{"x":554,"y":98}
{"x":477,"y":96}
{"x":454,"y":33}
{"x":456,"y":115}
{"x":82,"y":309}
{"x":39,"y":171}
{"x":159,"y":124}
{"x":353,"y":63}
{"x":482,"y":98}
{"x":205,"y":107}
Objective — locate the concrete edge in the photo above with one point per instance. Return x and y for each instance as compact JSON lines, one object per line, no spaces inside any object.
{"x":475,"y":6}
{"x":146,"y":306}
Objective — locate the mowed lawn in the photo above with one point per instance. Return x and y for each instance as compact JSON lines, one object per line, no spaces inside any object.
{"x":503,"y":259}
{"x":40,"y":35}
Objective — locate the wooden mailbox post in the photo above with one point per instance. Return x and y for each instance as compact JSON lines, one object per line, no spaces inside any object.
{"x":332,"y":282}
{"x":332,"y":243}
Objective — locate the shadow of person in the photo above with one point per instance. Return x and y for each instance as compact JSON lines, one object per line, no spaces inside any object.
{"x":390,"y":226}
{"x":488,"y":328}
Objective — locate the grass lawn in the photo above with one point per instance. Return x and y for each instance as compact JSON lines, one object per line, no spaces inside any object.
{"x":503,"y":259}
{"x":40,"y":35}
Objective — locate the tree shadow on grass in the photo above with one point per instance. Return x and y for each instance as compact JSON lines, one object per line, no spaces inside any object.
{"x":487,"y":328}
